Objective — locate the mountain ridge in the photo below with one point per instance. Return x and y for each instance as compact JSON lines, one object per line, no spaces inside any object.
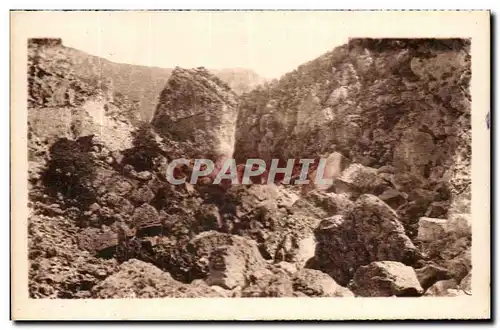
{"x":144,"y":83}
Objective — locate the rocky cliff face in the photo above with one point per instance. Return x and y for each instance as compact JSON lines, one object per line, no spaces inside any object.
{"x":391,"y":115}
{"x":64,"y":104}
{"x":198,"y":107}
{"x":396,"y":102}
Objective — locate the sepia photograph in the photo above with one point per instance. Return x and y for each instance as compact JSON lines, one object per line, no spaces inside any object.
{"x":250,"y":161}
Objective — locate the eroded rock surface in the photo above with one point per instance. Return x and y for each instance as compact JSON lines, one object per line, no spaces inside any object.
{"x":392,"y":120}
{"x":138,"y":279}
{"x":371,"y":232}
{"x":197,"y":106}
{"x":315,"y":283}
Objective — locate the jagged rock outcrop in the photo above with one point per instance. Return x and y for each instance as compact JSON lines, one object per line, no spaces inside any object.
{"x":197,"y":106}
{"x":135,"y":86}
{"x":63,"y":103}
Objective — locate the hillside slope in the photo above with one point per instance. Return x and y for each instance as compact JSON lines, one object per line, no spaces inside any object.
{"x":143,"y":84}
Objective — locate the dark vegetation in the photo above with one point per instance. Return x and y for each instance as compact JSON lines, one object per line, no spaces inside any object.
{"x":70,"y":171}
{"x":144,"y":151}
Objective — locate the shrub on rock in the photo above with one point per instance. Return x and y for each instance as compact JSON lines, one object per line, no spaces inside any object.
{"x":70,"y":171}
{"x":144,"y":151}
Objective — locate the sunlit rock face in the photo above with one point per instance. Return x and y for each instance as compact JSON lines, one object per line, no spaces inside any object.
{"x":196,"y":106}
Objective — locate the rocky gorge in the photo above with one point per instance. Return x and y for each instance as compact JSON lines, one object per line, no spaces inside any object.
{"x":393,"y":115}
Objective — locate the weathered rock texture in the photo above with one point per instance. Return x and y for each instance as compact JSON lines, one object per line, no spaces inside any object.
{"x":380,"y":102}
{"x":385,"y":279}
{"x":314,"y":283}
{"x":391,"y":117}
{"x":370,"y":232}
{"x":138,"y":279}
{"x":197,"y":106}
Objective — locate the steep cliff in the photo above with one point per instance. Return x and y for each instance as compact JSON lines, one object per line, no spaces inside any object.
{"x":403,"y":103}
{"x":64,"y":104}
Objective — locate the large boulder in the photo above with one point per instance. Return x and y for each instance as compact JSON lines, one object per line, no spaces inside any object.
{"x":229,"y":259}
{"x":385,"y":279}
{"x":430,"y":274}
{"x":371,"y":232}
{"x":101,"y":243}
{"x":197,"y":106}
{"x":430,"y":229}
{"x":269,"y":284}
{"x":315,"y":283}
{"x":357,"y":179}
{"x":445,"y":288}
{"x":138,"y":279}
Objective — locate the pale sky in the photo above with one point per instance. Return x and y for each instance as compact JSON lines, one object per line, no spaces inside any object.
{"x":270,"y":43}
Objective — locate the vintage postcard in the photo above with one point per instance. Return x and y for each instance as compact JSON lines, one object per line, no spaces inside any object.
{"x":250,"y":165}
